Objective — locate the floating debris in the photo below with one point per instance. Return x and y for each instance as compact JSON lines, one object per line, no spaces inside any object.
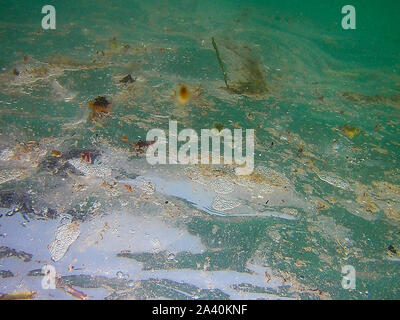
{"x":6,"y":252}
{"x":28,"y":295}
{"x":60,"y":284}
{"x":26,"y":205}
{"x":364,"y":198}
{"x":246,"y":75}
{"x":219,"y":126}
{"x":56,"y":153}
{"x":192,"y":173}
{"x":222,"y":186}
{"x":89,"y":169}
{"x":145,"y":289}
{"x":371,"y":99}
{"x":36,"y":273}
{"x":147,"y":186}
{"x":392,"y":250}
{"x":64,"y":237}
{"x":141,"y":146}
{"x":33,"y":71}
{"x":86,"y":157}
{"x":99,"y":102}
{"x":9,"y":175}
{"x":101,"y":108}
{"x":61,"y":93}
{"x":128,"y":188}
{"x":271,"y":176}
{"x":392,"y":213}
{"x":290,"y":211}
{"x":334,"y":181}
{"x":6,"y":274}
{"x":183,"y":94}
{"x":24,"y":154}
{"x":221,"y":65}
{"x":127,"y":79}
{"x":320,"y":205}
{"x":350,"y":131}
{"x":328,"y":228}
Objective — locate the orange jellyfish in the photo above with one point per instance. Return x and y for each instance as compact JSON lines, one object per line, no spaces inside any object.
{"x":183,"y":94}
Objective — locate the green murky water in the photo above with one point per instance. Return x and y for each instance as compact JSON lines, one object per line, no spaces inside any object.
{"x":325,"y":106}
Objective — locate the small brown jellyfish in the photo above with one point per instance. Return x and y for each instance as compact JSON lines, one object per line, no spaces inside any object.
{"x":140,"y":146}
{"x":350,"y":131}
{"x":183,"y":94}
{"x":56,"y":153}
{"x":86,"y":157}
{"x":186,"y":93}
{"x":128,"y":187}
{"x":100,"y":107}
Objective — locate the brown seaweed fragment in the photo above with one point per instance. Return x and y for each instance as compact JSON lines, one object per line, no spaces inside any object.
{"x":127,"y":79}
{"x":6,"y":274}
{"x":221,"y":65}
{"x":101,"y":108}
{"x":86,"y":157}
{"x":247,"y":76}
{"x":6,"y":252}
{"x":60,"y":284}
{"x":141,"y":146}
{"x":18,"y":295}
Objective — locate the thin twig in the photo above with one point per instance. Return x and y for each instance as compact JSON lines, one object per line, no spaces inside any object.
{"x":220,"y":62}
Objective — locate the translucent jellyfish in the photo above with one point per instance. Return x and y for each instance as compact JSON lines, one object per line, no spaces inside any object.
{"x":335,"y":181}
{"x":222,"y":186}
{"x":222,"y":204}
{"x":195,"y":175}
{"x":192,"y":173}
{"x":64,"y":237}
{"x":89,"y":169}
{"x":273,"y":177}
{"x":147,"y":187}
